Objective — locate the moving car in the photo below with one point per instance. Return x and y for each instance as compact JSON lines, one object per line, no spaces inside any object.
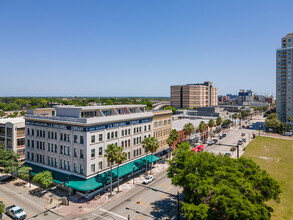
{"x":224,"y":135}
{"x":228,"y":154}
{"x":244,"y":139}
{"x":15,"y":212}
{"x":214,"y":141}
{"x":240,"y":142}
{"x":210,"y":143}
{"x":148,"y":179}
{"x":221,"y":137}
{"x":243,"y":134}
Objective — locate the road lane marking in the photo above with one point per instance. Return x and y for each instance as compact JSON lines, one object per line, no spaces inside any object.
{"x":147,"y":204}
{"x":139,"y":217}
{"x":113,"y":213}
{"x":100,"y":216}
{"x":165,"y":186}
{"x":141,"y":203}
{"x":161,"y":184}
{"x":12,"y":204}
{"x":164,"y":196}
{"x":169,"y":188}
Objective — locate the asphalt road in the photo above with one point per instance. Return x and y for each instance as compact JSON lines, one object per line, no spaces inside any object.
{"x":33,"y":206}
{"x":141,"y":203}
{"x":233,"y":135}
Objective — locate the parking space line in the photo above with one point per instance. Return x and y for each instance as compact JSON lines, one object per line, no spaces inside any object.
{"x":161,"y":184}
{"x":169,"y":187}
{"x":100,"y":216}
{"x":147,"y":204}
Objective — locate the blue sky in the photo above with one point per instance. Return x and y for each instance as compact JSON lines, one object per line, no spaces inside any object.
{"x":138,"y":47}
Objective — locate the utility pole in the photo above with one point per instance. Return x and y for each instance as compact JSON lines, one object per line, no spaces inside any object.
{"x":178,"y":207}
{"x":237,"y":151}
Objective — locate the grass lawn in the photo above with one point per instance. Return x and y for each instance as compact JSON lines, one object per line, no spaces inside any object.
{"x":276,"y":157}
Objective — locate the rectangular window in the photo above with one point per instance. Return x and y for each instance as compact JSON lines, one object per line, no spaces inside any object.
{"x":28,"y":143}
{"x":75,"y":138}
{"x":68,"y":165}
{"x":65,"y":137}
{"x":38,"y":145}
{"x":81,"y":139}
{"x":101,"y":151}
{"x":100,"y":137}
{"x":92,"y":153}
{"x":74,"y":152}
{"x":68,"y":151}
{"x":49,"y":161}
{"x":74,"y":167}
{"x":100,"y":165}
{"x":61,"y":149}
{"x":55,"y":148}
{"x":28,"y":131}
{"x":61,"y":136}
{"x":81,"y":154}
{"x":81,"y":169}
{"x":93,"y":168}
{"x":93,"y":139}
{"x":33,"y":143}
{"x":33,"y":132}
{"x":28,"y":155}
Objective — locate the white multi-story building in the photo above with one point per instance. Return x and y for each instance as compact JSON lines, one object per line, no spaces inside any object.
{"x":72,"y":140}
{"x":12,"y":135}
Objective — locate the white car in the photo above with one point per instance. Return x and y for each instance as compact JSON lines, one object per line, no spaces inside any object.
{"x":148,"y":179}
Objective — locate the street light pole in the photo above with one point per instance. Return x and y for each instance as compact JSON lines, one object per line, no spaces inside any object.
{"x":133,"y":174}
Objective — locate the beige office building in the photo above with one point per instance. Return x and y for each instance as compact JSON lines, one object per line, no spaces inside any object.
{"x":12,"y":135}
{"x":194,"y":95}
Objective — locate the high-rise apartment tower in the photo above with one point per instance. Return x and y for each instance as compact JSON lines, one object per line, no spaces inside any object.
{"x":284,"y":78}
{"x":194,"y":95}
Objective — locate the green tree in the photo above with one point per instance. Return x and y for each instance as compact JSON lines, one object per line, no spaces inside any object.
{"x":188,"y":129}
{"x":211,"y":124}
{"x":2,"y":208}
{"x":8,"y":160}
{"x":23,"y":172}
{"x":219,"y":187}
{"x":146,"y":144}
{"x":153,"y":147}
{"x":45,"y":178}
{"x":219,"y":121}
{"x":171,"y":108}
{"x":23,"y":113}
{"x":226,"y":123}
{"x":109,"y":102}
{"x":119,"y":158}
{"x":202,"y":126}
{"x":111,"y":155}
{"x":173,"y":136}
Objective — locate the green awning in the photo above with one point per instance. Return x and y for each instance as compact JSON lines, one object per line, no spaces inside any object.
{"x":99,"y":180}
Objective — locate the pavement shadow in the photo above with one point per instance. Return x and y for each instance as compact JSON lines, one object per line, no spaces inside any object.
{"x":164,"y":208}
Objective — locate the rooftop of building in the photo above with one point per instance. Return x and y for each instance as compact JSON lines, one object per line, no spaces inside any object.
{"x":11,"y":120}
{"x":162,"y":112}
{"x":99,"y":107}
{"x":179,"y":124}
{"x":289,"y":35}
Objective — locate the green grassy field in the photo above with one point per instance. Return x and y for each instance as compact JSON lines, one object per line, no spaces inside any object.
{"x":276,"y":157}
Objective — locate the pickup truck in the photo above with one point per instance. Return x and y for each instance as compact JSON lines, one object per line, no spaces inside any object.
{"x":15,"y":212}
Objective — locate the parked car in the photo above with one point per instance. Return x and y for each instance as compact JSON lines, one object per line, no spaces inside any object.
{"x":210,"y":143}
{"x":148,"y":179}
{"x":243,"y":134}
{"x":228,"y":154}
{"x":214,"y":141}
{"x":287,"y":134}
{"x":15,"y":212}
{"x":244,"y":139}
{"x":200,"y":148}
{"x":224,"y":135}
{"x":221,"y":137}
{"x":232,"y":148}
{"x":240,"y":142}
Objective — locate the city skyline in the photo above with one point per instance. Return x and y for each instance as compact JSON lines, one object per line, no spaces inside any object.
{"x":137,"y":48}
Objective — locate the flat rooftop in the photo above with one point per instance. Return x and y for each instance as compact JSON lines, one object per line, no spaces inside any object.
{"x":99,"y":107}
{"x":11,"y":120}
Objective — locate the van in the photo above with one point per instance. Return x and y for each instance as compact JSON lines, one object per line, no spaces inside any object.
{"x":287,"y":134}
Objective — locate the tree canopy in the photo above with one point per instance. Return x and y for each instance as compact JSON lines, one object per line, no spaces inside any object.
{"x":2,"y":208}
{"x":45,"y":178}
{"x":219,"y":187}
{"x":188,"y":129}
{"x":8,"y":160}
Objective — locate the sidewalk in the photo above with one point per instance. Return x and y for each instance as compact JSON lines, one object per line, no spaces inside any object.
{"x":79,"y":206}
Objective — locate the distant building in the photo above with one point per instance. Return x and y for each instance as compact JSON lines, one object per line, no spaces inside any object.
{"x":245,"y":96}
{"x":194,"y":95}
{"x":12,"y":135}
{"x":223,"y":99}
{"x":284,"y":78}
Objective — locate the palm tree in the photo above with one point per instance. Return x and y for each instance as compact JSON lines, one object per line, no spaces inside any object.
{"x":219,"y":121}
{"x":111,"y":155}
{"x":188,"y":129}
{"x":235,"y":116}
{"x":153,"y":147}
{"x":173,"y":136}
{"x":146,"y":145}
{"x":202,"y":126}
{"x":120,"y":157}
{"x":211,"y":124}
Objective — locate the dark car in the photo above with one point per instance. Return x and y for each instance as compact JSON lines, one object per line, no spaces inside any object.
{"x":224,"y":135}
{"x":214,"y":141}
{"x":221,"y":137}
